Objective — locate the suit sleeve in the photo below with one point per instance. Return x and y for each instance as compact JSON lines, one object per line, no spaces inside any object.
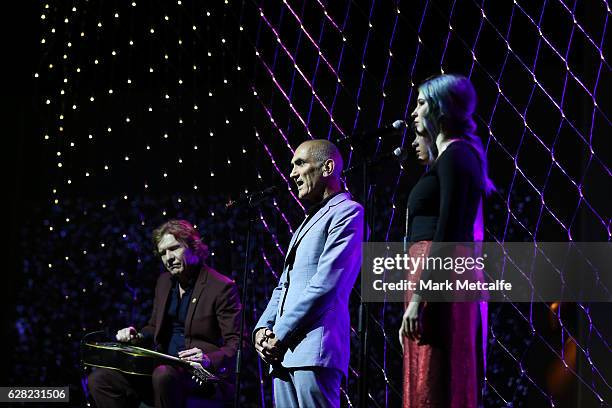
{"x":228,"y":309}
{"x":337,"y":267}
{"x":148,"y":331}
{"x":268,"y":317}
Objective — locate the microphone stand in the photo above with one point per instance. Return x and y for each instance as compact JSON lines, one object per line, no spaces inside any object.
{"x":251,"y":201}
{"x":369,"y":204}
{"x":243,"y":311}
{"x":364,"y":355}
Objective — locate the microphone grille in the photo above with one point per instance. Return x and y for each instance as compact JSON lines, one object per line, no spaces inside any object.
{"x":400,"y":153}
{"x":398,"y":124}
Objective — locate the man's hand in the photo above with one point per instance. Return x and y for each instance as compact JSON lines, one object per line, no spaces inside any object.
{"x":128,"y":335}
{"x":268,"y":346}
{"x":261,"y":336}
{"x":195,"y":355}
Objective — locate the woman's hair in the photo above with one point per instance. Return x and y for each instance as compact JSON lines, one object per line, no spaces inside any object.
{"x":452,"y":100}
{"x":184,"y":233}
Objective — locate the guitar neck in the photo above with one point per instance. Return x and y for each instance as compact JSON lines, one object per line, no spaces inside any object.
{"x":136,"y":360}
{"x":160,"y":355}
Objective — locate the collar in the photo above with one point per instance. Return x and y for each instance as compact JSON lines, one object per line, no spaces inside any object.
{"x":189,"y":285}
{"x":316,"y":207}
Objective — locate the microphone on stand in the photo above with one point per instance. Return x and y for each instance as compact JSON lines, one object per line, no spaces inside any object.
{"x":399,"y":154}
{"x":395,"y":127}
{"x":253,"y":199}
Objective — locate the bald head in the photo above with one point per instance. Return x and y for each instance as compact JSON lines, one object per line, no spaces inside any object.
{"x":317,"y":169}
{"x":323,"y":150}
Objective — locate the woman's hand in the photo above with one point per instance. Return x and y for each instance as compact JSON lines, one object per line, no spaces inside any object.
{"x":411,"y":321}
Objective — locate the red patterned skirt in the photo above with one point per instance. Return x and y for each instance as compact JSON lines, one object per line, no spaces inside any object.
{"x":445,"y":368}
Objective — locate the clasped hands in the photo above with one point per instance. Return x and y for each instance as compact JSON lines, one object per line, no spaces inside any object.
{"x":269,"y":347}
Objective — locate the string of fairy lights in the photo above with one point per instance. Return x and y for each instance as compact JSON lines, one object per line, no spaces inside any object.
{"x":113,"y":90}
{"x":160,"y":89}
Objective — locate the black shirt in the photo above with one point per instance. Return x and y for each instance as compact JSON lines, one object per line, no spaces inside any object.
{"x":176,"y":314}
{"x":442,"y":206}
{"x":313,"y":209}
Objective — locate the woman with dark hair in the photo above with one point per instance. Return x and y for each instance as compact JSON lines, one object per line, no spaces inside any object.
{"x":443,"y":342}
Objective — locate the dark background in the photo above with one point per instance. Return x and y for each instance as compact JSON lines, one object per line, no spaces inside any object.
{"x":546,"y":145}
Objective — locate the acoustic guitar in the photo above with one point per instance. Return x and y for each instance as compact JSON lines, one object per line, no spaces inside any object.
{"x":137,"y":360}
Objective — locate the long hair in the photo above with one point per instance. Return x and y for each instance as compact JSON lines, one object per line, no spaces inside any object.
{"x":186,"y":234}
{"x":452,"y":100}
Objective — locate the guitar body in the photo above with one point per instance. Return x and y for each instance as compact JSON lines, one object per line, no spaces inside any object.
{"x":136,"y":360}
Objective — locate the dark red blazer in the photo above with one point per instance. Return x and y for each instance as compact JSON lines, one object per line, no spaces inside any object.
{"x":213,"y":317}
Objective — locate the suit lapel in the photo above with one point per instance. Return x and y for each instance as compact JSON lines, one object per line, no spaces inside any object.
{"x":303,"y":230}
{"x":293,"y":238}
{"x":164,"y":292}
{"x":196,"y":295}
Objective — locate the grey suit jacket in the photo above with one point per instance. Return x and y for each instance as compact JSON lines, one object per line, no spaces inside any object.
{"x":308,"y":310}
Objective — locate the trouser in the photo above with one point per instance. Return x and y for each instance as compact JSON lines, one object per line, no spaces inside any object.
{"x":168,"y":387}
{"x":307,"y":387}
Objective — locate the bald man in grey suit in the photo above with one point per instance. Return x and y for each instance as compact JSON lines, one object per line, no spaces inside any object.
{"x":304,"y":332}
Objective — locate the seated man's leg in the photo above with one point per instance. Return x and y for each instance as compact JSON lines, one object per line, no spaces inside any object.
{"x":285,"y":395}
{"x":112,"y":389}
{"x":317,"y":386}
{"x":169,"y":386}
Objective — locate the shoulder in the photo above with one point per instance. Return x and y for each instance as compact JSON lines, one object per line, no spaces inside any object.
{"x":347,"y":209}
{"x":163,"y":282}
{"x":345,"y":202}
{"x":217,"y":278}
{"x":458,"y":156}
{"x":163,"y":277}
{"x":346,"y":205}
{"x":461,"y":149}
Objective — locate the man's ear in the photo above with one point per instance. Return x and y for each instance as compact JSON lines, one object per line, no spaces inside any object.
{"x":328,"y":167}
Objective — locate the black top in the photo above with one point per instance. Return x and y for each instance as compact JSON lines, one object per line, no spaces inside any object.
{"x":442,"y":206}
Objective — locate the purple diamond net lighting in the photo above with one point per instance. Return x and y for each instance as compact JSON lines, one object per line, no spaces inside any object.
{"x":144,"y":112}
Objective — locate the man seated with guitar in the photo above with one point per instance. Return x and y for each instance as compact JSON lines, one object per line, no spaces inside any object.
{"x":196,"y":314}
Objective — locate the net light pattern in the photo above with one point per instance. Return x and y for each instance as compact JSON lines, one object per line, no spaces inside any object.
{"x":147,"y":107}
{"x":458,"y":42}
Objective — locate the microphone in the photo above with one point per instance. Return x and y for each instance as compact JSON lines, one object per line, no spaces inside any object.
{"x":395,"y":127}
{"x":253,"y":199}
{"x":399,"y":154}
